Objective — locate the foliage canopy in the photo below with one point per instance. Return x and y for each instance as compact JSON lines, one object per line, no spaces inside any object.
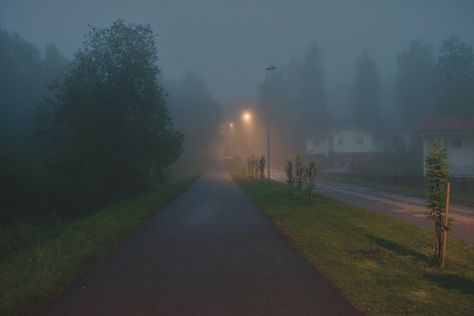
{"x":107,"y":123}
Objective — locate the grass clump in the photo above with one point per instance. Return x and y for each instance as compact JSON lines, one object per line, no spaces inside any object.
{"x":38,"y":262}
{"x":383,"y":265}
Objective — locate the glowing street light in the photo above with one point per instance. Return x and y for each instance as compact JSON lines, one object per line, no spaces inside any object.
{"x":246,"y":116}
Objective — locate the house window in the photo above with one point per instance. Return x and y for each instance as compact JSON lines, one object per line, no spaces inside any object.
{"x":457,"y":143}
{"x":340,"y":141}
{"x":359,"y":140}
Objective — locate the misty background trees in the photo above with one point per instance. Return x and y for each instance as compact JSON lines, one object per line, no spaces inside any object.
{"x":429,"y":82}
{"x":312,"y":90}
{"x":414,"y":85}
{"x":367,"y":94}
{"x":454,"y":78}
{"x":197,"y":115}
{"x":298,"y":100}
{"x":23,"y":78}
{"x":435,"y":83}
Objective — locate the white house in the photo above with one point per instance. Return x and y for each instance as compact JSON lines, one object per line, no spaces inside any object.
{"x":456,"y":135}
{"x":342,"y":140}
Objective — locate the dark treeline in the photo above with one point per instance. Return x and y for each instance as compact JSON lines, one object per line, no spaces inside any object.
{"x":429,"y":83}
{"x":77,"y":135}
{"x":24,"y":76}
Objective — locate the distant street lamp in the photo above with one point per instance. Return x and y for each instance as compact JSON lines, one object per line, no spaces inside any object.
{"x":268,"y":69}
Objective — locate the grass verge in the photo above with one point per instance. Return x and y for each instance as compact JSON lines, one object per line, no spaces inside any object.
{"x":380,"y":263}
{"x":463,"y":198}
{"x":31,"y":276}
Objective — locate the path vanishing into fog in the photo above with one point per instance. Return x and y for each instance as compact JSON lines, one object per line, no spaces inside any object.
{"x":405,"y":207}
{"x":210,"y":252}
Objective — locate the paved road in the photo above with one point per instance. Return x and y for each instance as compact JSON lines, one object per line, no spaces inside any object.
{"x":405,"y":207}
{"x":210,"y":252}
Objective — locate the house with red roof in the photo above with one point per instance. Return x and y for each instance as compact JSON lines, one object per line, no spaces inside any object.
{"x":456,"y":134}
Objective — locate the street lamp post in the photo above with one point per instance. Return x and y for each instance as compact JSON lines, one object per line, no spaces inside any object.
{"x":268,"y":69}
{"x":231,"y":125}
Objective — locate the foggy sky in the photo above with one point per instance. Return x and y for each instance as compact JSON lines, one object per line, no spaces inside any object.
{"x":231,"y":42}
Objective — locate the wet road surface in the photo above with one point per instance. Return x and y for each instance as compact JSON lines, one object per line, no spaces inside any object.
{"x":405,"y":207}
{"x":210,"y":252}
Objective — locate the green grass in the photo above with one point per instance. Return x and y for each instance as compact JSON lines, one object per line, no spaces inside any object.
{"x":464,"y":198}
{"x":33,"y":275}
{"x":383,"y":265}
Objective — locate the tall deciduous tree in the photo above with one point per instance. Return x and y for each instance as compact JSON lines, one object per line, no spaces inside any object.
{"x":454,"y":78}
{"x":107,"y":123}
{"x":414,"y":84}
{"x":367,"y":91}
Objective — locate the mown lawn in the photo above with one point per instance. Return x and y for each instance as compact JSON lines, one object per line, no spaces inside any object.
{"x":464,"y":198}
{"x":33,"y":275}
{"x":383,"y":265}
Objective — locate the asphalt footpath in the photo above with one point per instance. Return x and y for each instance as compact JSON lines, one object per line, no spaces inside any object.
{"x":212,"y":251}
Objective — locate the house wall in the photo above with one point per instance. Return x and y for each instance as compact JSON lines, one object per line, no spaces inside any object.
{"x":317,"y":147}
{"x":460,"y":150}
{"x":348,"y":141}
{"x":342,"y":141}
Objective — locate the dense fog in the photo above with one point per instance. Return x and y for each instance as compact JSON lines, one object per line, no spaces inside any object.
{"x":380,"y":67}
{"x":230,"y":42}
